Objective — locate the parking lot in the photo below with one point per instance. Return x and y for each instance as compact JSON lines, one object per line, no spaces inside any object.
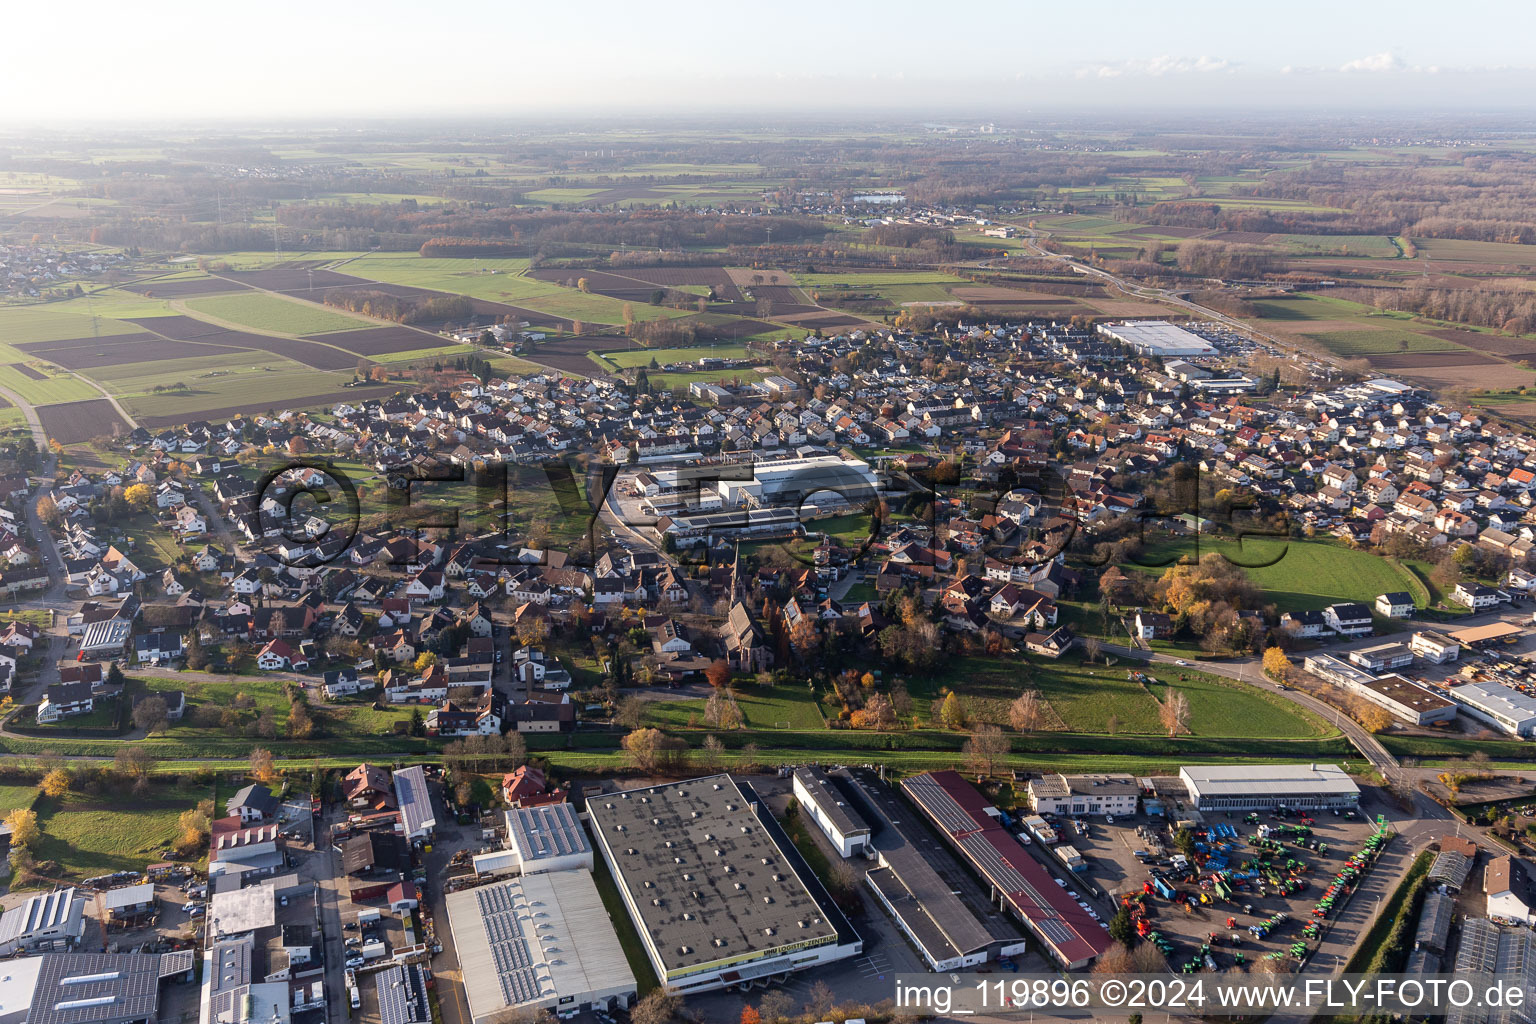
{"x":1304,"y":853}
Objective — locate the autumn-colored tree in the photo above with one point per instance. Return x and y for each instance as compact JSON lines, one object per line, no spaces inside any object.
{"x":194,"y":826}
{"x":25,"y":831}
{"x":55,"y":784}
{"x":803,"y":635}
{"x":139,"y":495}
{"x":718,"y":673}
{"x":1276,"y":665}
{"x":952,"y":712}
{"x":424,"y":661}
{"x":650,"y":749}
{"x":263,"y":765}
{"x":532,"y":630}
{"x":750,"y":1016}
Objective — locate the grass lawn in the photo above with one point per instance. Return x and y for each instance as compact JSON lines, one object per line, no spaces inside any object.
{"x":660,"y":381}
{"x":774,"y":707}
{"x":92,"y":835}
{"x":849,"y":531}
{"x":1223,"y":707}
{"x":859,"y":593}
{"x":12,"y":797}
{"x":103,"y":716}
{"x":1085,"y":697}
{"x":1308,"y":574}
{"x":344,"y":720}
{"x":663,"y":356}
{"x":270,"y":313}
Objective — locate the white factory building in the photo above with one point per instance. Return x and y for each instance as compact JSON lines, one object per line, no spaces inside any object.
{"x":1505,"y":709}
{"x":1158,"y":338}
{"x":1264,"y":786}
{"x":820,"y":799}
{"x":548,"y":837}
{"x":814,"y":480}
{"x":1084,"y":794}
{"x":538,"y":941}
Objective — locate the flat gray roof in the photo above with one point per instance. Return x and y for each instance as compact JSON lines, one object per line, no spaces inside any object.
{"x":830,"y":802}
{"x":933,"y":907}
{"x":129,"y":896}
{"x":707,"y":879}
{"x":1218,"y":780}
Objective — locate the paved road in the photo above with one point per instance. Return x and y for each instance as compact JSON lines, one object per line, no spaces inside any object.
{"x":33,"y":422}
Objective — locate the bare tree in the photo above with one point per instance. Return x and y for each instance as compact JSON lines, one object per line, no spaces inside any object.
{"x":151,"y":715}
{"x":987,"y":746}
{"x":1174,"y":714}
{"x":630,"y":712}
{"x":660,"y":1007}
{"x":1027,"y":712}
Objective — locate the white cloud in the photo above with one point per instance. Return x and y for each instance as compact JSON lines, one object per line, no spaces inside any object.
{"x":1377,"y":63}
{"x":1159,"y":67}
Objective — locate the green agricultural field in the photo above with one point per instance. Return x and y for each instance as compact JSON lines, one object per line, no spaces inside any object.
{"x":277,"y":383}
{"x":1382,"y":341}
{"x":562,"y":195}
{"x":91,"y":835}
{"x":1301,"y":306}
{"x":498,"y":281}
{"x":1375,"y":246}
{"x":51,"y":390}
{"x":1308,"y":574}
{"x":53,"y":323}
{"x":1467,"y":251}
{"x":264,"y":312}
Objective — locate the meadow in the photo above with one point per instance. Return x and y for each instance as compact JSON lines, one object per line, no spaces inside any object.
{"x":772,"y":707}
{"x":1305,"y":574}
{"x":92,"y":835}
{"x":1090,"y":698}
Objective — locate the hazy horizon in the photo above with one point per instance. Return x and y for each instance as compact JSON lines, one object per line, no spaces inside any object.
{"x":187,"y":62}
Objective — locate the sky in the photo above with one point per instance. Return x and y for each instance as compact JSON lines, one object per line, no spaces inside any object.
{"x":95,"y":60}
